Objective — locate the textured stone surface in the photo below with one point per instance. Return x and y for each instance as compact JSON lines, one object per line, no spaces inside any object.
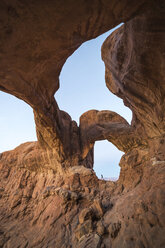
{"x":49,"y":193}
{"x":135,"y":63}
{"x":36,"y":39}
{"x":41,"y":209}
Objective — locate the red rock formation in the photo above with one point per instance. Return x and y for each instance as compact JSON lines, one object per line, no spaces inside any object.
{"x":49,"y":194}
{"x":36,"y":40}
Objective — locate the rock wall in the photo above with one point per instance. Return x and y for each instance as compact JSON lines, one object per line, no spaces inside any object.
{"x":49,"y":193}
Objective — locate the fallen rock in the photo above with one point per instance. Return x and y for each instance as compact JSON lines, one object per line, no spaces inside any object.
{"x":86,"y":214}
{"x":83,"y":229}
{"x":97,"y":208}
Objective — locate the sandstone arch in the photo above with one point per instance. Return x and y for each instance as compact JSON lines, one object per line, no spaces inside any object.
{"x":36,"y":39}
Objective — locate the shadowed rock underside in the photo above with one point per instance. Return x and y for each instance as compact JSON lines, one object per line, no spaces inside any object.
{"x":49,"y":193}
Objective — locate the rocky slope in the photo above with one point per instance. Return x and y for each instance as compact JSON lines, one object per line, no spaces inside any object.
{"x":49,"y":194}
{"x":42,"y":208}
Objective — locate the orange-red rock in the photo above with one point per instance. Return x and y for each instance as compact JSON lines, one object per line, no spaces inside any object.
{"x":49,"y":193}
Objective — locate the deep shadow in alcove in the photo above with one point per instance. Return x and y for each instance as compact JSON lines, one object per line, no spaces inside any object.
{"x":17,"y":122}
{"x":82,"y":88}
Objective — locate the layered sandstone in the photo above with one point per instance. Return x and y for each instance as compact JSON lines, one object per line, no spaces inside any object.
{"x":36,"y":39}
{"x":49,"y":193}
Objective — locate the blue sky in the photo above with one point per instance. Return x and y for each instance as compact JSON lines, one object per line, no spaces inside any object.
{"x":82,"y":87}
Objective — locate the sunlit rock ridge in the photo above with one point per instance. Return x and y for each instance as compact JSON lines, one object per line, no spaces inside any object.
{"x":49,"y":193}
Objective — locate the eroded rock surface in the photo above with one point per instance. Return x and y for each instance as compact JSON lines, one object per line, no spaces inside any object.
{"x":49,"y":193}
{"x":36,"y":39}
{"x":76,"y":209}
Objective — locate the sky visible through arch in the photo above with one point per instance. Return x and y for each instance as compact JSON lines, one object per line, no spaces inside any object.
{"x":82,"y":88}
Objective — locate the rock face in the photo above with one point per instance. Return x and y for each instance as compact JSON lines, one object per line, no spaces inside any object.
{"x":49,"y":194}
{"x":36,"y":39}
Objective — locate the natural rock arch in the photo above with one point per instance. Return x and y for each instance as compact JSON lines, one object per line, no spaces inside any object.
{"x":41,"y":58}
{"x":36,"y":39}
